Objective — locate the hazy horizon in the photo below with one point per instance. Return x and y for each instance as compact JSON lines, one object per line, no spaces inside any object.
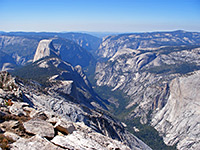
{"x":113,"y":16}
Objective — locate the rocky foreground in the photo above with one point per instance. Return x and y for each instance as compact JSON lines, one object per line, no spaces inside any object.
{"x":28,"y":122}
{"x":34,"y":129}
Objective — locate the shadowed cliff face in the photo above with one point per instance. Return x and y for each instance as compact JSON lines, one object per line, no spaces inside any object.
{"x":72,"y":53}
{"x":6,"y":62}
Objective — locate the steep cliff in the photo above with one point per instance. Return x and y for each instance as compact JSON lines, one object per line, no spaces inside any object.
{"x":178,"y":121}
{"x":45,"y":49}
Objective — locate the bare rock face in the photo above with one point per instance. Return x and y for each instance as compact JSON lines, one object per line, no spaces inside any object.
{"x":178,"y":121}
{"x":65,"y":86}
{"x":45,"y":48}
{"x":34,"y":143}
{"x":39,"y":127}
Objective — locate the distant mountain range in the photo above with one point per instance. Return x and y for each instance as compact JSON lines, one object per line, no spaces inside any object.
{"x":86,"y":41}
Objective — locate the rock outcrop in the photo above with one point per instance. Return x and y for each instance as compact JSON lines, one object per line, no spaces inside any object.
{"x":39,"y":127}
{"x":66,"y":128}
{"x":12,"y":135}
{"x":45,"y":49}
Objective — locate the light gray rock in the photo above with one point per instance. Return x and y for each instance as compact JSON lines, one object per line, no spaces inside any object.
{"x":39,"y":127}
{"x":28,"y":109}
{"x":75,"y":113}
{"x":9,"y":124}
{"x":178,"y":121}
{"x":12,"y":135}
{"x":65,"y":87}
{"x":62,"y":141}
{"x":34,"y":143}
{"x":1,"y":99}
{"x":53,"y":120}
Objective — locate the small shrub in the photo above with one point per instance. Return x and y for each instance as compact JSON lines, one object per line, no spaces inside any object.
{"x":5,"y":141}
{"x":8,"y":102}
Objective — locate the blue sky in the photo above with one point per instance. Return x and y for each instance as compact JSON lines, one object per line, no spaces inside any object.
{"x":99,"y":15}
